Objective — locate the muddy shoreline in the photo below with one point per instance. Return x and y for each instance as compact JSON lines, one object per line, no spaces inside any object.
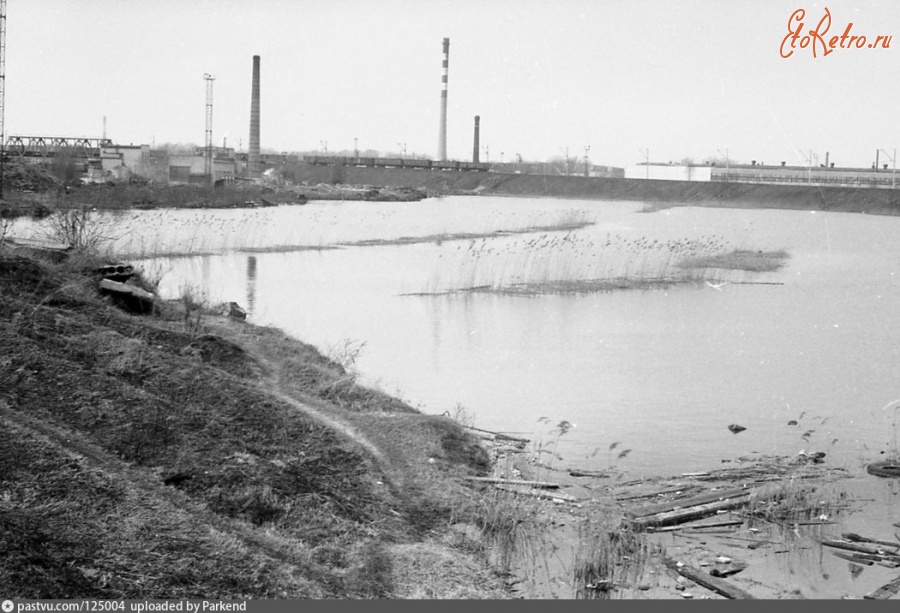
{"x":723,"y":534}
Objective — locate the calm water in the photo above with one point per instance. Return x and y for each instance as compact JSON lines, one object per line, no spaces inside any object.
{"x":661,"y":373}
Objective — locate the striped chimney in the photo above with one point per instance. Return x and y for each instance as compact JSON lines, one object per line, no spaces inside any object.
{"x":442,"y":137}
{"x":477,"y":136}
{"x":254,"y":166}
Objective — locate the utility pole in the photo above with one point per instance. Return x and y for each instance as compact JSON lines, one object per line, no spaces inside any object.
{"x":587,"y":169}
{"x":356,"y":148}
{"x":209,"y":118}
{"x":646,"y":153}
{"x":2,"y":86}
{"x":566,"y":153}
{"x":726,"y":163}
{"x":893,"y":167}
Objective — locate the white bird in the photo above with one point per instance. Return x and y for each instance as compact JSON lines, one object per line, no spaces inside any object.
{"x":717,"y":286}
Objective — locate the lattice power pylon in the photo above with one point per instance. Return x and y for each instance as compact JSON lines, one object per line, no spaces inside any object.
{"x":2,"y":86}
{"x":209,"y":115}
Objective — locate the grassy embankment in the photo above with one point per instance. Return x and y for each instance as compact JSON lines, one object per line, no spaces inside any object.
{"x":655,"y":192}
{"x":184,"y":454}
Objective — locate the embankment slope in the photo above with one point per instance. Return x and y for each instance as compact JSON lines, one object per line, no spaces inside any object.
{"x":656,"y":192}
{"x":186,"y":455}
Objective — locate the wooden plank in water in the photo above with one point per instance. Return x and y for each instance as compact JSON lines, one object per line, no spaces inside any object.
{"x":498,"y":435}
{"x":497,"y":480}
{"x":881,"y":554}
{"x":669,"y":490}
{"x":536,"y":493}
{"x":719,"y":586}
{"x":683,"y":503}
{"x":679,"y":516}
{"x":852,"y":536}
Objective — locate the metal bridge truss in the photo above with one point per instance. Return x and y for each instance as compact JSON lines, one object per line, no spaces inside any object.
{"x":51,"y":146}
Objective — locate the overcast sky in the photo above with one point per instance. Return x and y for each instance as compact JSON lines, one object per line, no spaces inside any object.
{"x":680,"y":78}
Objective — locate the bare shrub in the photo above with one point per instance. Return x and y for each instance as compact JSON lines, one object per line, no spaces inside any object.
{"x":195,"y":305}
{"x":79,"y":227}
{"x":346,"y":353}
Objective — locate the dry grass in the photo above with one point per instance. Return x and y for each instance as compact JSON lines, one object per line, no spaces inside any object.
{"x":609,"y":555}
{"x":163,"y":465}
{"x":740,"y":259}
{"x":577,"y":263}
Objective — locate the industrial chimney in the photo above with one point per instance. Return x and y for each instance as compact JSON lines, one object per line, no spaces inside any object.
{"x":442,"y":138}
{"x":475,"y":144}
{"x":253,"y":160}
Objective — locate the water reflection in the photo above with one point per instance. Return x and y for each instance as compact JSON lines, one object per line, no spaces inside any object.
{"x":660,"y":372}
{"x":251,"y":283}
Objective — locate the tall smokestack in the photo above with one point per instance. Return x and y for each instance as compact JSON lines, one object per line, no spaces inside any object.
{"x":253,"y":158}
{"x":477,"y":134}
{"x":442,"y":138}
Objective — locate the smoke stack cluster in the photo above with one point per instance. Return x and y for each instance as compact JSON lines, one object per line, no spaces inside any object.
{"x":477,"y":136}
{"x":442,"y":137}
{"x":254,"y":165}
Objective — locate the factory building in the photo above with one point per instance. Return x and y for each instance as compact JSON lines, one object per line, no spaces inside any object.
{"x":191,"y":168}
{"x":762,"y":173}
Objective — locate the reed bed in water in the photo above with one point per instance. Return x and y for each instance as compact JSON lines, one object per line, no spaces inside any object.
{"x":573,"y":262}
{"x":318,"y":226}
{"x":609,"y":556}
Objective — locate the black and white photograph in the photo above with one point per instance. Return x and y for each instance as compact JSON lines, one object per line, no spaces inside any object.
{"x":345,"y":300}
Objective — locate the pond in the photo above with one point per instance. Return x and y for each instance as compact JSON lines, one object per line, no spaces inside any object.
{"x":658,"y":373}
{"x":470,"y":305}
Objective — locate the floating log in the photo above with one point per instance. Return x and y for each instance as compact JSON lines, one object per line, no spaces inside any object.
{"x":852,"y":536}
{"x":684,"y":503}
{"x":575,"y":472}
{"x":718,"y":524}
{"x":860,"y":549}
{"x":498,"y":435}
{"x":536,"y":493}
{"x":885,"y":591}
{"x":855,"y":558}
{"x":863,"y":556}
{"x":681,"y":511}
{"x":681,"y":516}
{"x":708,"y":581}
{"x":497,"y":480}
{"x":728,"y":570}
{"x":671,"y":490}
